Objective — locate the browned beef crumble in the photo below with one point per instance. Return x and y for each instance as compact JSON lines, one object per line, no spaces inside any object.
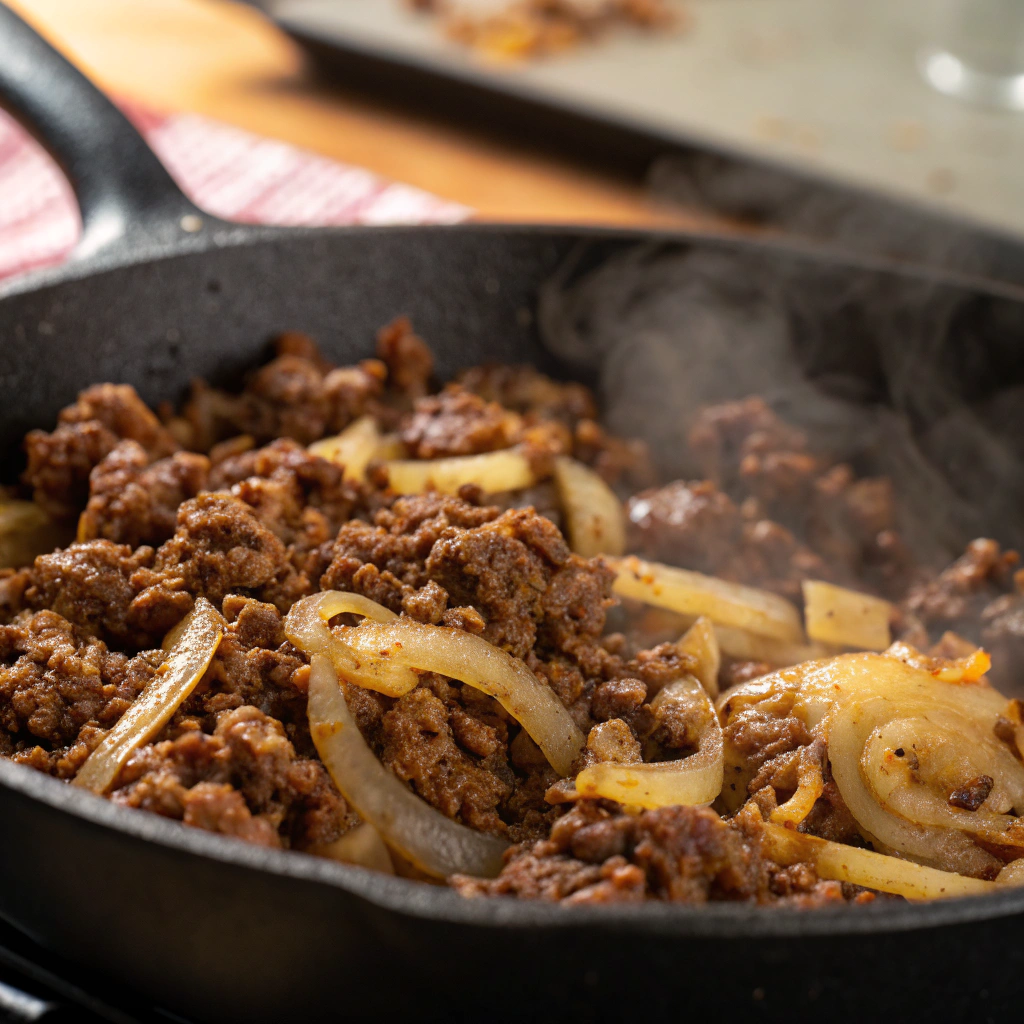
{"x":597,"y":855}
{"x":243,"y":779}
{"x":60,"y":688}
{"x":134,"y":502}
{"x":225,"y":502}
{"x":456,"y":422}
{"x":59,"y":464}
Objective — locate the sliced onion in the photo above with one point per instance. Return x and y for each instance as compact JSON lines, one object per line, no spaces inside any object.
{"x":746,"y":646}
{"x":594,"y":520}
{"x":865,"y":777}
{"x":353,"y":449}
{"x":868,"y":707}
{"x":26,"y":531}
{"x":696,"y":779}
{"x":407,"y":645}
{"x":505,"y":470}
{"x":872,"y":870}
{"x":970,"y":668}
{"x":810,"y":786}
{"x":692,"y":593}
{"x":186,"y":665}
{"x":434,"y":843}
{"x":871,"y":693}
{"x":1012,"y":874}
{"x":362,"y":845}
{"x":306,"y":626}
{"x":846,"y":618}
{"x":389,"y":655}
{"x":700,"y":641}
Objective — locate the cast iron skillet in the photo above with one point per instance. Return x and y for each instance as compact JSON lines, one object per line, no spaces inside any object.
{"x":218,"y":930}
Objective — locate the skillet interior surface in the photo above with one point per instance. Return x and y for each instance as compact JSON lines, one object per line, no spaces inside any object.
{"x":219,"y":931}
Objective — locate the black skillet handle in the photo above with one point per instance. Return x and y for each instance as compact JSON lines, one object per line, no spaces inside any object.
{"x":129,"y":202}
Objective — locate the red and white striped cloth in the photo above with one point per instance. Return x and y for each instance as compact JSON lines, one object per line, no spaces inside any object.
{"x":226,"y":171}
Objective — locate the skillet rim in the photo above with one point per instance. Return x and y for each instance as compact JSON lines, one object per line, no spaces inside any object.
{"x":222,"y":235}
{"x":405,"y":897}
{"x":428,"y":902}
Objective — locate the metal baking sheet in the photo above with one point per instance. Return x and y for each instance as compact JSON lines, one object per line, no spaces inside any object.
{"x":826,"y":89}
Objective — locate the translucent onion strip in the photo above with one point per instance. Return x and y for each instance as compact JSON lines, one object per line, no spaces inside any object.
{"x":186,"y":665}
{"x":362,"y":845}
{"x":26,"y":531}
{"x":353,"y":449}
{"x":414,"y":646}
{"x":434,"y":843}
{"x":872,"y":870}
{"x":846,"y":618}
{"x":306,"y":627}
{"x":506,"y":470}
{"x":700,"y":642}
{"x":692,"y":593}
{"x":389,"y":654}
{"x":945,"y":733}
{"x":945,"y":745}
{"x":746,"y":646}
{"x":594,"y":520}
{"x":696,"y":779}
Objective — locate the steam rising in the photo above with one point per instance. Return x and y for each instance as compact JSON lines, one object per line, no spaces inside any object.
{"x":906,"y":376}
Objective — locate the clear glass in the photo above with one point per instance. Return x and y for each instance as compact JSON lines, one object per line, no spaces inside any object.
{"x":976,"y":52}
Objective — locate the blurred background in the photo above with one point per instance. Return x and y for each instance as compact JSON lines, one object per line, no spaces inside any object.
{"x":888,"y":128}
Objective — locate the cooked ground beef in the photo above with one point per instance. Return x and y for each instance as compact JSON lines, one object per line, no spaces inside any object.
{"x":60,"y":463}
{"x":226,"y":502}
{"x":243,"y":780}
{"x":684,"y":854}
{"x":134,"y":502}
{"x":456,"y":422}
{"x":60,"y":688}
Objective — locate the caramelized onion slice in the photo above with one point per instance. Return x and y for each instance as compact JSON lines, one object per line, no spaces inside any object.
{"x":846,"y":618}
{"x":899,"y":740}
{"x":696,"y":779}
{"x":409,"y":646}
{"x":872,"y":870}
{"x":700,"y":641}
{"x":505,"y":470}
{"x":186,"y":665}
{"x":692,"y":593}
{"x":943,"y":754}
{"x":353,"y":449}
{"x":594,"y":520}
{"x":746,"y":646}
{"x":362,"y":845}
{"x":306,"y":626}
{"x":435,"y":844}
{"x":810,"y":786}
{"x":26,"y":531}
{"x":388,"y":654}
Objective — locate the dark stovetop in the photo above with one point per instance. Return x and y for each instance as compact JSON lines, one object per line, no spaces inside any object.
{"x":35,"y":985}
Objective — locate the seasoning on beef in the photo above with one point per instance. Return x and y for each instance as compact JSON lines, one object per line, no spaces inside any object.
{"x":221,"y":547}
{"x":56,"y":681}
{"x":297,"y":395}
{"x":243,"y":780}
{"x":679,"y":854}
{"x":134,"y":502}
{"x":59,"y":464}
{"x":456,"y":422}
{"x":94,"y":585}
